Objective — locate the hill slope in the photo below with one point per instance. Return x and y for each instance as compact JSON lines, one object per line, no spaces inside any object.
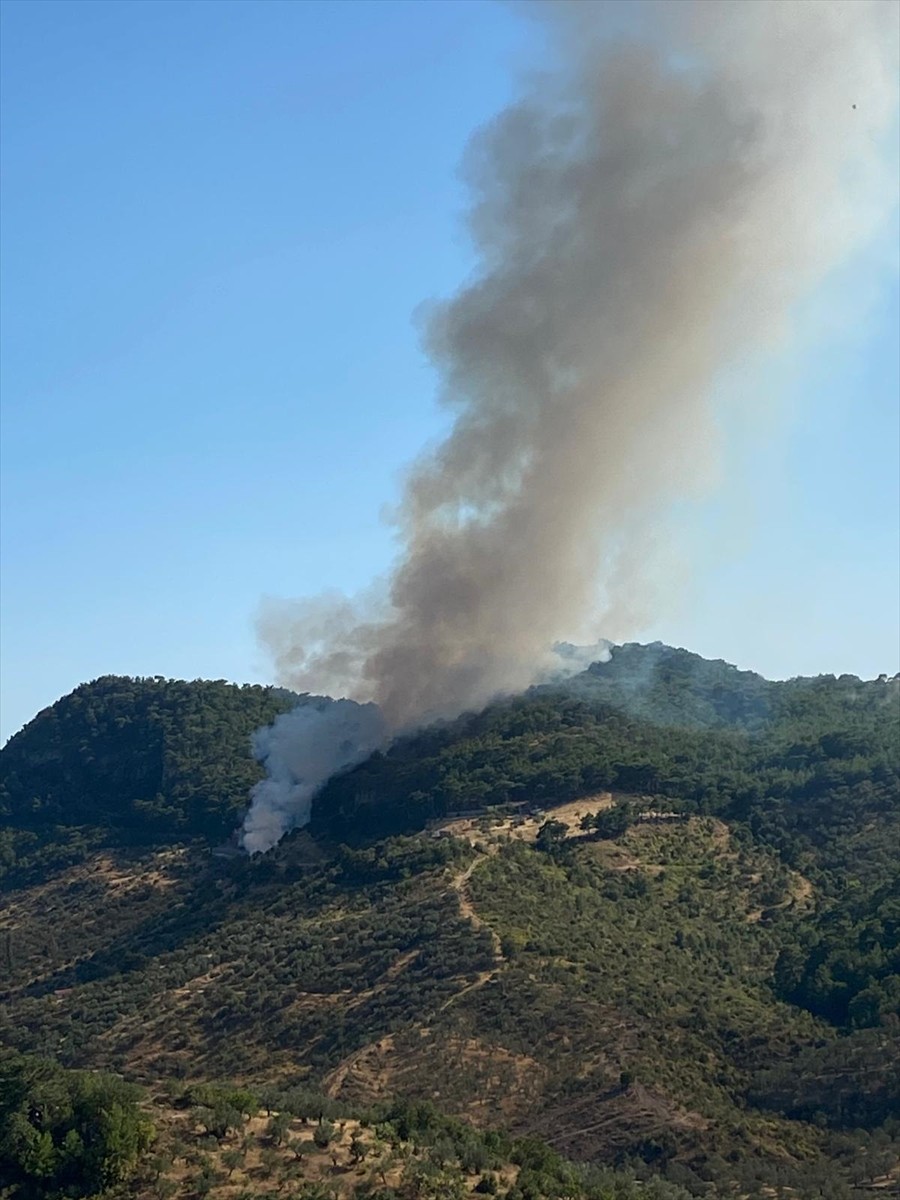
{"x":124,"y":761}
{"x":696,"y":979}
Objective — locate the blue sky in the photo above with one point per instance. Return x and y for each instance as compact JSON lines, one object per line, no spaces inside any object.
{"x":218,"y":221}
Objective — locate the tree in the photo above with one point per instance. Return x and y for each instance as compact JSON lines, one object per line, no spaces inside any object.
{"x":278,"y":1127}
{"x":611,"y":823}
{"x":231,"y":1160}
{"x":323,"y":1133}
{"x":300,"y":1146}
{"x":220,"y":1119}
{"x":206,"y":1179}
{"x":551,"y":836}
{"x":72,"y":1130}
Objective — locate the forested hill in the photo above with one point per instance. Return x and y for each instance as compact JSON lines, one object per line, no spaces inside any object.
{"x":669,"y":686}
{"x":157,"y":761}
{"x":658,"y":927}
{"x":655,"y":721}
{"x":808,"y":768}
{"x":123,"y":760}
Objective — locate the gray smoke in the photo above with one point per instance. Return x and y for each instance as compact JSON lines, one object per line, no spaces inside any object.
{"x":646,"y":217}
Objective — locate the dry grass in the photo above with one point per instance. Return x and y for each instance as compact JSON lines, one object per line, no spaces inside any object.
{"x":250,"y":1158}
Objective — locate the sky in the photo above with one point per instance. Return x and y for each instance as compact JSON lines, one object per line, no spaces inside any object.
{"x":219,"y":222}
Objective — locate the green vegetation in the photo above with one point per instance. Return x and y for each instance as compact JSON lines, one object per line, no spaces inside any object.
{"x":810,"y":768}
{"x":66,"y":1133}
{"x":130,"y":761}
{"x":648,"y":962}
{"x":309,"y":1144}
{"x":828,"y":745}
{"x":692,"y":985}
{"x":846,"y":965}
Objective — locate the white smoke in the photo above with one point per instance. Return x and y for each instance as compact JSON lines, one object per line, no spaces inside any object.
{"x":300,"y":750}
{"x":574,"y":659}
{"x":646,"y":218}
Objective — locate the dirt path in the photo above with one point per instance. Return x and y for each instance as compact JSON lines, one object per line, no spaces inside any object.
{"x":799,"y":894}
{"x":334,"y":1081}
{"x":460,"y":885}
{"x":525,"y":830}
{"x":801,"y":889}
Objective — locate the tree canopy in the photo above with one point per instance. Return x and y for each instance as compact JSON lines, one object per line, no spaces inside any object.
{"x":69,"y":1133}
{"x":137,"y":761}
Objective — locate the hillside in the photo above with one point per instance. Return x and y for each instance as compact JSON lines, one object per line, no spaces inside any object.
{"x":665,"y":948}
{"x":226,"y":1142}
{"x":715,"y":739}
{"x":130,"y":761}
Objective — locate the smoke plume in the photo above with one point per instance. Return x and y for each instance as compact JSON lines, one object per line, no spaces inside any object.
{"x":300,"y":750}
{"x":646,"y":217}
